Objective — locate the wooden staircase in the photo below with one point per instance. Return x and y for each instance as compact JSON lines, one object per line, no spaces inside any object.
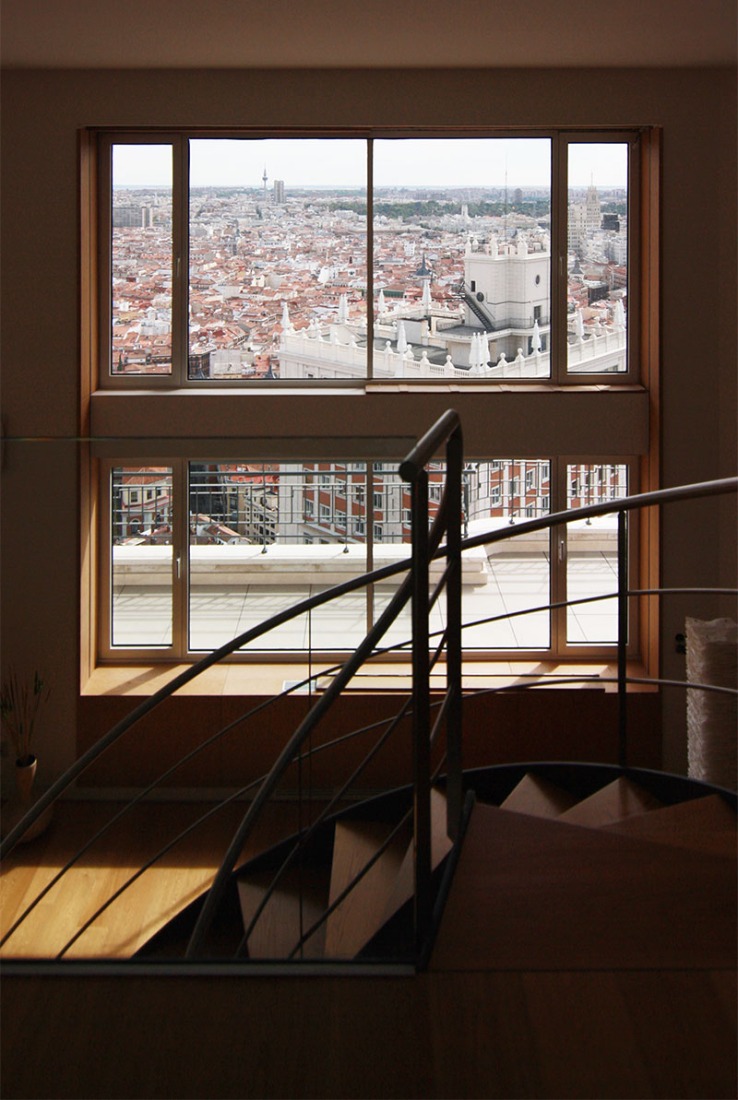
{"x":617,"y":879}
{"x":356,"y":914}
{"x":279,"y":917}
{"x":562,"y":866}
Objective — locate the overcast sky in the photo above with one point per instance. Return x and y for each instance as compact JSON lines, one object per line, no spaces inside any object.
{"x":441,"y":162}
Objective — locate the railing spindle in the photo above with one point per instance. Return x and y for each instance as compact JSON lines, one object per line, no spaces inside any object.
{"x":447,"y":430}
{"x":623,"y":639}
{"x":454,"y":764}
{"x":421,"y":708}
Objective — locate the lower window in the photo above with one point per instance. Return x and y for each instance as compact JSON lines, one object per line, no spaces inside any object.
{"x":197,"y":552}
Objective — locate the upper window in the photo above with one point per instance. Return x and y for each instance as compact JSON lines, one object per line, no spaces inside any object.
{"x":243,"y":259}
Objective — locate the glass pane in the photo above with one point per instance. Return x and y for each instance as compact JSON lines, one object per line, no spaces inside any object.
{"x":141,"y":556}
{"x":498,"y":580}
{"x":462,"y":263}
{"x":141,"y":260}
{"x":277,"y":258}
{"x":506,"y":578}
{"x":265,"y":536}
{"x":592,"y":553}
{"x":597,"y":264}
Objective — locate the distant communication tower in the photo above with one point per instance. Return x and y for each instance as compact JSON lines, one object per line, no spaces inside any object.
{"x":264,"y":180}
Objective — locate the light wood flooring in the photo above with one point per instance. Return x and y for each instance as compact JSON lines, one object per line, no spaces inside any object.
{"x":152,"y":900}
{"x":484,"y":1021}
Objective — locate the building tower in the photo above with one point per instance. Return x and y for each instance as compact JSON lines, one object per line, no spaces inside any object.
{"x":593,"y":208}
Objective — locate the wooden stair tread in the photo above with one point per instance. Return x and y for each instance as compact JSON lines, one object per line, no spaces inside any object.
{"x":705,"y":824}
{"x":440,"y":847}
{"x":620,"y":799}
{"x":538,"y":797}
{"x":533,"y":894}
{"x":282,"y":922}
{"x":362,"y":912}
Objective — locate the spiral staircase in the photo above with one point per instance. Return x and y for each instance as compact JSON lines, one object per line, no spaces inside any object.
{"x":537,"y":868}
{"x":562,"y":865}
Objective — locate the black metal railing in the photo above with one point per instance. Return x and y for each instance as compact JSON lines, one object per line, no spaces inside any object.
{"x":440,"y":539}
{"x":428,"y":543}
{"x":446,"y":431}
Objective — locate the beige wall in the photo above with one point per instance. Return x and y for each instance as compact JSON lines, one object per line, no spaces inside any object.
{"x":42,"y":114}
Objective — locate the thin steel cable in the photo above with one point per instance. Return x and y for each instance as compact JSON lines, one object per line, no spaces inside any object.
{"x":661,"y":496}
{"x":302,"y":841}
{"x":642,"y":500}
{"x":363,"y":872}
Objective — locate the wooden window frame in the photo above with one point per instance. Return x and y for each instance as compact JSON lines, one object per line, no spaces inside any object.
{"x":643,"y":350}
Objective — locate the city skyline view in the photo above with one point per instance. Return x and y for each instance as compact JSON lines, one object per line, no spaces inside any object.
{"x":461,"y":274}
{"x":342,"y":163}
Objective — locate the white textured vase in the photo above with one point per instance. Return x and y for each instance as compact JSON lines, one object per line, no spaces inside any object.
{"x":25,"y":773}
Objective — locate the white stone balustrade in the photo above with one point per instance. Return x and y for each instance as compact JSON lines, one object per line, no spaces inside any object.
{"x":282,"y":564}
{"x":307,"y":351}
{"x":606,"y":352}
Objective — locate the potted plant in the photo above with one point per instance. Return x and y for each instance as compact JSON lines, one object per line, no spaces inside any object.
{"x":19,"y":705}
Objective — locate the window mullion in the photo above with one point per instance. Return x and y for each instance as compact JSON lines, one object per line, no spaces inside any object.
{"x":558,"y":550}
{"x":369,"y":259}
{"x":180,"y":556}
{"x":105,"y":231}
{"x":559,"y":249}
{"x":105,"y":563}
{"x":180,"y":261}
{"x":369,"y":535}
{"x":636,"y":275}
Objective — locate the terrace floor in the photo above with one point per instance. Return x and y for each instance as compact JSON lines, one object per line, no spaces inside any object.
{"x":511,"y":584}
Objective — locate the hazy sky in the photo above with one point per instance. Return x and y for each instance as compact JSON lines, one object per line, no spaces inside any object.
{"x":438,"y":162}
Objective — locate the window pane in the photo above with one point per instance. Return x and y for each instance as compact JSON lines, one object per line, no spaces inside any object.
{"x":141,"y":260}
{"x":335,"y":548}
{"x":505,"y":578}
{"x":277,"y":258}
{"x":498,"y":580}
{"x":592,"y":553}
{"x":265,"y":536}
{"x":141,"y":556}
{"x":597,"y":265}
{"x":462,"y":258}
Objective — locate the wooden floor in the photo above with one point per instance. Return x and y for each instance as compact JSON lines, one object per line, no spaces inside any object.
{"x":611,"y":901}
{"x":152,"y":900}
{"x":629,"y":1027}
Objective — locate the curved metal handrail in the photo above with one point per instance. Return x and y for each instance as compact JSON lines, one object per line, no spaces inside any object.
{"x":535,"y":680}
{"x":634,"y":502}
{"x":142,"y":794}
{"x":298,"y":739}
{"x":78,"y":767}
{"x":429,"y":444}
{"x":412,"y":469}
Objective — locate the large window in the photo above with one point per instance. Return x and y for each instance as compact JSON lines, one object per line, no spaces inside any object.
{"x":251,"y":260}
{"x":262,"y":300}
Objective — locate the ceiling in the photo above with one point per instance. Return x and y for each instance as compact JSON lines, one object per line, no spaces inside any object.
{"x":366,"y":33}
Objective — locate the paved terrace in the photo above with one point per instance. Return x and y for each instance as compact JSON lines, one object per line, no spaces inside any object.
{"x":235,"y":587}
